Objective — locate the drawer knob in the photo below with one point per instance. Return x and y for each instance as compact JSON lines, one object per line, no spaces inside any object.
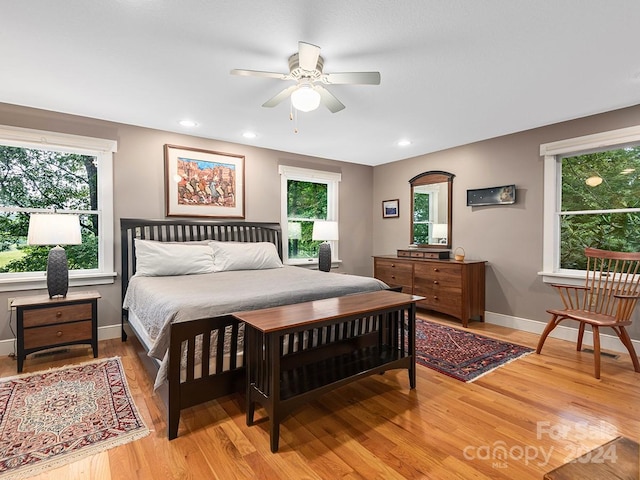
{"x":393,"y":276}
{"x":435,"y":282}
{"x":58,"y":333}
{"x":435,"y":297}
{"x":58,"y":314}
{"x":436,"y":269}
{"x":393,"y":264}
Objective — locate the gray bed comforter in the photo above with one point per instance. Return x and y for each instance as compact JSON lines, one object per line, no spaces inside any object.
{"x":160,"y":301}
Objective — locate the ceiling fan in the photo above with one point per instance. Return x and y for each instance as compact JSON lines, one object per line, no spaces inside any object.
{"x":305,"y":68}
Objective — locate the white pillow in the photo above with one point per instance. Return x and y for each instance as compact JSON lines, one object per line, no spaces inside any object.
{"x":244,"y":256}
{"x":155,"y":259}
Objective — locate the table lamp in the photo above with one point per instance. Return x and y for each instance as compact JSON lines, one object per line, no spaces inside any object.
{"x":440,"y":232}
{"x":324,"y":230}
{"x":55,"y":229}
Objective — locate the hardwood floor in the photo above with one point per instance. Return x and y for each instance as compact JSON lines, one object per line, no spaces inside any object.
{"x":519,"y":421}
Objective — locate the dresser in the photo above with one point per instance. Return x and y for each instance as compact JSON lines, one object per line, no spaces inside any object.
{"x":449,"y":286}
{"x":45,"y":322}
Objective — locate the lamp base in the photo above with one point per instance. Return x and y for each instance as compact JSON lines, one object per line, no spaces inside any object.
{"x":324,"y":257}
{"x":57,"y":272}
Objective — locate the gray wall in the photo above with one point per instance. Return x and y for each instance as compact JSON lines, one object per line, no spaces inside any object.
{"x":139,"y":188}
{"x":508,"y":237}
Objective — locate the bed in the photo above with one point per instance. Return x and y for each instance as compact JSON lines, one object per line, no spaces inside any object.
{"x":180,"y":308}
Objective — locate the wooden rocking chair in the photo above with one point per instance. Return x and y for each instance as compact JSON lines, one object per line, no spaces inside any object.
{"x":607,"y":299}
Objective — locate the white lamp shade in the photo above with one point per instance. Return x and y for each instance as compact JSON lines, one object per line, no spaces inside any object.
{"x":439,"y":230}
{"x":54,"y":229}
{"x":305,"y":98}
{"x":294,"y":231}
{"x":325,"y":230}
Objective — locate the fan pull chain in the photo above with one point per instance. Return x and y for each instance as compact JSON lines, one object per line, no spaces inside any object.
{"x":293,"y":115}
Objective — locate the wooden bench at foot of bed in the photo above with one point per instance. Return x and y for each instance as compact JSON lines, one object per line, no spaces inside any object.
{"x":281,"y":383}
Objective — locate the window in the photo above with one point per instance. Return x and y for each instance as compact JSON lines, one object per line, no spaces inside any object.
{"x":307,"y":195}
{"x":592,"y":198}
{"x":425,"y":216}
{"x":43,"y":172}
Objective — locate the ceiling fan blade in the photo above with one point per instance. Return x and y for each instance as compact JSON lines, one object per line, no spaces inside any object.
{"x":273,"y":101}
{"x":353,"y":78}
{"x":256,"y":73}
{"x":329,"y":100}
{"x":308,"y":56}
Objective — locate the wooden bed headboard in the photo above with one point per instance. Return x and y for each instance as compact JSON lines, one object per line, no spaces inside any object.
{"x":189,"y":230}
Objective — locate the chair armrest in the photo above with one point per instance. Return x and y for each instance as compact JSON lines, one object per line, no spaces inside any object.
{"x":573,"y":296}
{"x":626,"y":297}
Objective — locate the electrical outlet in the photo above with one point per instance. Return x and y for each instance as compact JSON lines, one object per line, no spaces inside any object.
{"x":9,"y":301}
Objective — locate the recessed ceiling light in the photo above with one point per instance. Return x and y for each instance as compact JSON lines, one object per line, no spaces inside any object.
{"x":249,"y":135}
{"x":404,"y":143}
{"x":188,"y":123}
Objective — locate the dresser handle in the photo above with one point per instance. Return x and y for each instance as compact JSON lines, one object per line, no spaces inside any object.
{"x":393,"y":265}
{"x":58,"y":333}
{"x":435,"y":297}
{"x":435,"y":282}
{"x":58,"y":314}
{"x":393,"y":276}
{"x":436,"y":269}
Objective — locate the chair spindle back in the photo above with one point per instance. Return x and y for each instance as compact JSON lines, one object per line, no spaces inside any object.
{"x":610,"y":274}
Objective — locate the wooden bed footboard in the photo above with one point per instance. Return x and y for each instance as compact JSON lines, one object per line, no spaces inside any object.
{"x":192,"y":377}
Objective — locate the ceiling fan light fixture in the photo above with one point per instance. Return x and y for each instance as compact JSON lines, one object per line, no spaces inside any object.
{"x":305,"y":98}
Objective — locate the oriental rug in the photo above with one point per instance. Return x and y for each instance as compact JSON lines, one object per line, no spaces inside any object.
{"x":462,"y":354}
{"x":57,"y":416}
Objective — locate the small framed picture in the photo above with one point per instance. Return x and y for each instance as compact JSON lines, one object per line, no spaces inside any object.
{"x":390,"y":209}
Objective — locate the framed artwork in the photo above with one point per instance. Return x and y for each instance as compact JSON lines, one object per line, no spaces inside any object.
{"x":390,"y":208}
{"x":503,"y":195}
{"x":203,"y":183}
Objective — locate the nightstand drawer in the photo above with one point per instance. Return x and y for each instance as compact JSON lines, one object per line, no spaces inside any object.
{"x":54,"y":334}
{"x":57,"y":314}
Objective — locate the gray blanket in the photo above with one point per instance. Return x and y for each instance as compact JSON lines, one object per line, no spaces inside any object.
{"x":160,"y":301}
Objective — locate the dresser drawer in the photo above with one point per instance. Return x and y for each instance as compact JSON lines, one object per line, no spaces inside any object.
{"x":54,"y":334}
{"x":443,"y":304}
{"x":446,"y":275}
{"x":455,"y":288}
{"x":56,"y":314}
{"x":394,"y":273}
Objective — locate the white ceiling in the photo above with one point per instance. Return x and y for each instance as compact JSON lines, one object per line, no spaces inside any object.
{"x":453,"y":72}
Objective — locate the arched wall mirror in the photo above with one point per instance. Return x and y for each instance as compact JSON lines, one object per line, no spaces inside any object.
{"x":431,"y":195}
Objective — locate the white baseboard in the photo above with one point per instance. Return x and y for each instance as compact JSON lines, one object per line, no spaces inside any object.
{"x":7,"y":347}
{"x":607,"y":341}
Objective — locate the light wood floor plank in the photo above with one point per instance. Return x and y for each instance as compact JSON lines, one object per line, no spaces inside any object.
{"x":547,"y":404}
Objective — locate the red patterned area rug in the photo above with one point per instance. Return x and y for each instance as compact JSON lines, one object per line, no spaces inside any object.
{"x":57,"y":416}
{"x":462,"y":354}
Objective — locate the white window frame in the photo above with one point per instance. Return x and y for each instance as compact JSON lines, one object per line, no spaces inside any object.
{"x":103,"y":150}
{"x":332,"y":180}
{"x":553,"y":153}
{"x":432,"y":191}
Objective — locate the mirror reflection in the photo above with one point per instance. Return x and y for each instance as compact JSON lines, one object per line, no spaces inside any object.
{"x":431,"y":194}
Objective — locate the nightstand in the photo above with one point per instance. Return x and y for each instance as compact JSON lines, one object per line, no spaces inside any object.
{"x":44,"y":322}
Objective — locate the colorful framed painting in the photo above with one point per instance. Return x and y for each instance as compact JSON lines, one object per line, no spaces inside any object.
{"x":390,"y":208}
{"x":203,"y":183}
